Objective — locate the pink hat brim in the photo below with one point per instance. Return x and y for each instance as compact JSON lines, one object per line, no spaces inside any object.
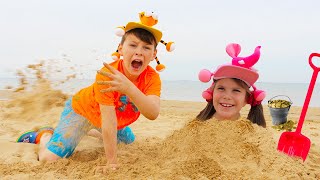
{"x":248,"y":76}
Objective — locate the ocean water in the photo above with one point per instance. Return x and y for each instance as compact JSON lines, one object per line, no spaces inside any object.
{"x":191,"y":90}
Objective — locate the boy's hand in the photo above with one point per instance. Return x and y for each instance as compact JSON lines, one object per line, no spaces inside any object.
{"x":118,"y":81}
{"x":103,"y":169}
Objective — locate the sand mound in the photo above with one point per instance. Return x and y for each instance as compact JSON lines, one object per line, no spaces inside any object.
{"x":201,"y":150}
{"x":228,"y":149}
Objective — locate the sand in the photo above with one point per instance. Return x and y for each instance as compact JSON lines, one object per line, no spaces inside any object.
{"x":174,"y":146}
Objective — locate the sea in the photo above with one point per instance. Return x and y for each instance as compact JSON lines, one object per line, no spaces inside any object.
{"x":186,"y":90}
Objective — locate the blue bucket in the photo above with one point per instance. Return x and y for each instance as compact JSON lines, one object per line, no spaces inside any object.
{"x":279,"y":109}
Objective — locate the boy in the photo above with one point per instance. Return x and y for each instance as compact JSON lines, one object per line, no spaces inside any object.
{"x":123,"y":89}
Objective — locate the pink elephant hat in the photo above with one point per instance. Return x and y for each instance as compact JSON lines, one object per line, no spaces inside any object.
{"x":239,"y":68}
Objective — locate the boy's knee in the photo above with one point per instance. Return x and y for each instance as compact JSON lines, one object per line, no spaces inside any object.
{"x":130,"y":139}
{"x":126,"y":135}
{"x":46,"y":155}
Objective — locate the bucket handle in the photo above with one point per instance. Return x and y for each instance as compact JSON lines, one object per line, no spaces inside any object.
{"x":281,"y":95}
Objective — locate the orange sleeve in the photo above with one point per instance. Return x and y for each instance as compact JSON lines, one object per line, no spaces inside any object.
{"x":153,"y":85}
{"x":103,"y":98}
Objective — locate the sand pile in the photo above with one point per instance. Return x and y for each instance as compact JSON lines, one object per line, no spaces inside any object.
{"x":228,"y":149}
{"x":200,"y":150}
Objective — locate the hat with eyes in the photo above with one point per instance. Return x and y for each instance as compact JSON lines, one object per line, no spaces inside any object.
{"x":147,"y":22}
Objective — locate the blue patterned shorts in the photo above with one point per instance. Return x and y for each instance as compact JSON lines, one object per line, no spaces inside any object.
{"x":72,"y":128}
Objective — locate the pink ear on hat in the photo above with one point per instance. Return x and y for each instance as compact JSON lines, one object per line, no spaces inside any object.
{"x":207,"y":94}
{"x":259,"y":95}
{"x":233,"y":49}
{"x":256,"y":97}
{"x":204,"y":75}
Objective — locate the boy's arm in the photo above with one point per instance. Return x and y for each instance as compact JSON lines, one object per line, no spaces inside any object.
{"x":109,"y":133}
{"x":149,"y":105}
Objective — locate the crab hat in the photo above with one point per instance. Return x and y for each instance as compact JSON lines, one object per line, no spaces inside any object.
{"x":240,"y":68}
{"x":147,"y":21}
{"x":155,"y":32}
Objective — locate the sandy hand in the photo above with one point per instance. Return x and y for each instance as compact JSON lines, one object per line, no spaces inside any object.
{"x":103,"y":169}
{"x":118,"y":81}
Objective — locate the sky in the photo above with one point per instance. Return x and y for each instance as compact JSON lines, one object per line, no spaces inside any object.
{"x":81,"y":32}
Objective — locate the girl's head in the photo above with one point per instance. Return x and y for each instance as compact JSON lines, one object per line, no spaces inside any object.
{"x":229,"y":96}
{"x":230,"y":90}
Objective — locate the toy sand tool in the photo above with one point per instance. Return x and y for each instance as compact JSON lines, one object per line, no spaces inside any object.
{"x":294,"y":143}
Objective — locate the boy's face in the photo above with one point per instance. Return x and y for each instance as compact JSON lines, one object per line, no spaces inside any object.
{"x":136,"y":55}
{"x":228,"y":99}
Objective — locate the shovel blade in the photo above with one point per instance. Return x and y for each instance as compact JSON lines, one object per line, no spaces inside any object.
{"x":294,"y":144}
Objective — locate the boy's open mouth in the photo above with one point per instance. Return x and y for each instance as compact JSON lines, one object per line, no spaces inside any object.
{"x":136,"y":64}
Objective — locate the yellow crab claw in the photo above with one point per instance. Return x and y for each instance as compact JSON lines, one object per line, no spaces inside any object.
{"x":170,"y":46}
{"x":148,"y":19}
{"x":120,"y":31}
{"x":160,"y":67}
{"x":115,"y":56}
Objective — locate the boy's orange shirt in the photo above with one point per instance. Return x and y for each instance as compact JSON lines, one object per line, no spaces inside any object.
{"x":86,"y":101}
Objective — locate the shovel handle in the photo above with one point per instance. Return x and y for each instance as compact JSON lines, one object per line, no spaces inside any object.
{"x":314,"y":67}
{"x":309,"y":92}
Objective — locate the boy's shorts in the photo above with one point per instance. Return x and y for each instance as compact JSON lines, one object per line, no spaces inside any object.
{"x":72,"y":128}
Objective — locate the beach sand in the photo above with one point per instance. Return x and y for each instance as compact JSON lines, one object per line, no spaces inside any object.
{"x":174,"y":146}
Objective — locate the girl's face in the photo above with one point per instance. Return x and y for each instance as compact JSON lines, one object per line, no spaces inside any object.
{"x":136,"y":56}
{"x":228,"y":99}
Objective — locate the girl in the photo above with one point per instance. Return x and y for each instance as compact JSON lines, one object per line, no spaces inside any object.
{"x":230,"y":90}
